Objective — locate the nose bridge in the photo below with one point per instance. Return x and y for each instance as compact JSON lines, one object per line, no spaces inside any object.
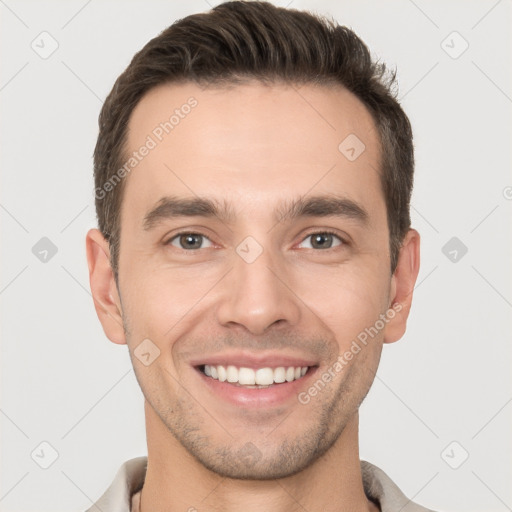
{"x":256,"y":295}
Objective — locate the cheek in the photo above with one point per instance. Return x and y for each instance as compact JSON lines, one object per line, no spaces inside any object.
{"x":347,"y":300}
{"x":160,"y":301}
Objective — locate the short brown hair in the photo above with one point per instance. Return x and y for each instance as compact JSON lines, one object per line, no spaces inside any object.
{"x":257,"y":40}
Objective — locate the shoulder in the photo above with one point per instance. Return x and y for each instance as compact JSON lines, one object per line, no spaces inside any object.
{"x":379,"y":487}
{"x":128,"y":480}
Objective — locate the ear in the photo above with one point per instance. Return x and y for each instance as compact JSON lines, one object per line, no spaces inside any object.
{"x":103,"y":287}
{"x":402,"y":286}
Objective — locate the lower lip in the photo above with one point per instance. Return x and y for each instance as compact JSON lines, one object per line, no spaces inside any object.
{"x":274,"y":395}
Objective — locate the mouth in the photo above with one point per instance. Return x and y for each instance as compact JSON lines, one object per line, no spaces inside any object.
{"x":255,"y":382}
{"x":254,"y":378}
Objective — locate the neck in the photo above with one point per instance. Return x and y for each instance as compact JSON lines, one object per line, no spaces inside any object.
{"x":176,"y":481}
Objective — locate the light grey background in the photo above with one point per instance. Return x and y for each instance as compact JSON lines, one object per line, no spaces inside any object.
{"x":448,"y":380}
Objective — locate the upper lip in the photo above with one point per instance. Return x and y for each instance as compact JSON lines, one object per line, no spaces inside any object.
{"x":248,"y":360}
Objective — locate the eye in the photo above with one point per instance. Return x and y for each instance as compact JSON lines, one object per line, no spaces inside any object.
{"x":190,"y":241}
{"x":322,"y":240}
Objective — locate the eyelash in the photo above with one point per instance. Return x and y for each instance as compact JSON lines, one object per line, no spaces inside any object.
{"x":324,"y":232}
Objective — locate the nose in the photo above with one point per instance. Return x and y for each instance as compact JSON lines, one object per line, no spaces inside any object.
{"x":257,"y":295}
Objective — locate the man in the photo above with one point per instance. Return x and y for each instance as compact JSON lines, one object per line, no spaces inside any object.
{"x":253,"y":177}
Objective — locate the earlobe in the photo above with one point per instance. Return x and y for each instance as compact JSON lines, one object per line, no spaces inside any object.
{"x":402,"y":286}
{"x":103,"y":287}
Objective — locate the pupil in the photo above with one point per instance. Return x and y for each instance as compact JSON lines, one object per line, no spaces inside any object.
{"x":191,"y":241}
{"x":322,"y":241}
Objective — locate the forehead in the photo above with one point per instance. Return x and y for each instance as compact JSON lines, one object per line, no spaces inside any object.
{"x":253,"y":143}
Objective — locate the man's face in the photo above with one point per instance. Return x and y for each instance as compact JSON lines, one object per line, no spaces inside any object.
{"x":257,"y":285}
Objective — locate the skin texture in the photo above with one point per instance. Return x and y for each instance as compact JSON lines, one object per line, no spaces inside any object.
{"x":253,"y":146}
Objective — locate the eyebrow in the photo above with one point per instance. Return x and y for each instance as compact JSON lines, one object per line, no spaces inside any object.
{"x":171,"y":207}
{"x":322,"y":206}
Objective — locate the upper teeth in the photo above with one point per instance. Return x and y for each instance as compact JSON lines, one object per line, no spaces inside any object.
{"x":261,"y":376}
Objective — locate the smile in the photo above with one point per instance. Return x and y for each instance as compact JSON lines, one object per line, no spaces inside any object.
{"x":256,"y":378}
